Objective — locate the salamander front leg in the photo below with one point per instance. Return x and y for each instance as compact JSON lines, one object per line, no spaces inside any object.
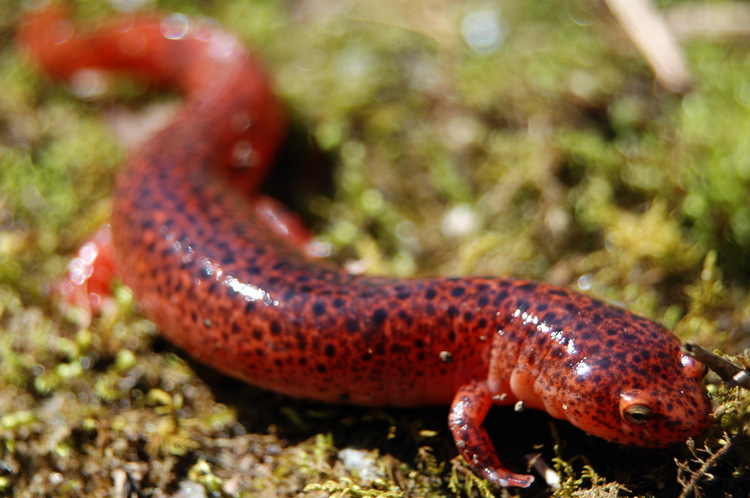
{"x":469,"y":408}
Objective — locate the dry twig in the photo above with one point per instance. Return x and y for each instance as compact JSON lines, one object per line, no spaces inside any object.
{"x":646,"y":28}
{"x":730,"y":372}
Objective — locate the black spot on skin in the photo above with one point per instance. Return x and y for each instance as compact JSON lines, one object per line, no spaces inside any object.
{"x":628,"y":338}
{"x":588,"y":336}
{"x":500,"y":297}
{"x":430,"y":294}
{"x":379,"y":316}
{"x":397,"y":349}
{"x":321,"y":368}
{"x":205,"y":272}
{"x":352,"y":325}
{"x":250,"y":307}
{"x":301,"y":341}
{"x":528,"y":287}
{"x":275,"y":328}
{"x":458,"y":291}
{"x":330,"y":350}
{"x":338,"y":303}
{"x":319,"y":309}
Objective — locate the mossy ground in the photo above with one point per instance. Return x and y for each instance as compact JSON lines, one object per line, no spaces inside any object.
{"x":550,"y":154}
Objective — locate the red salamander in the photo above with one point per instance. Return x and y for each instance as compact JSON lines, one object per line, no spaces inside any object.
{"x":236,"y":294}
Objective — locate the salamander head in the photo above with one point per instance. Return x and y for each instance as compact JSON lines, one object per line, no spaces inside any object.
{"x":614,"y":375}
{"x":645,"y":403}
{"x":646,"y":396}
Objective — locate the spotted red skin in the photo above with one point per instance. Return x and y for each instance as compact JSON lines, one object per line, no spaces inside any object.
{"x":239,"y":296}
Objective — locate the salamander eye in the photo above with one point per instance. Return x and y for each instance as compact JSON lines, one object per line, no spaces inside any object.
{"x":638,"y":407}
{"x":637,"y":414}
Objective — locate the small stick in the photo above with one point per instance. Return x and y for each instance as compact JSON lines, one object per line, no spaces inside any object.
{"x":730,"y":372}
{"x":646,"y":28}
{"x":693,"y":20}
{"x":548,"y":473}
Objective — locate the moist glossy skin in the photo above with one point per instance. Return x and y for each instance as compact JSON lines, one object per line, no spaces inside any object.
{"x":235,"y":293}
